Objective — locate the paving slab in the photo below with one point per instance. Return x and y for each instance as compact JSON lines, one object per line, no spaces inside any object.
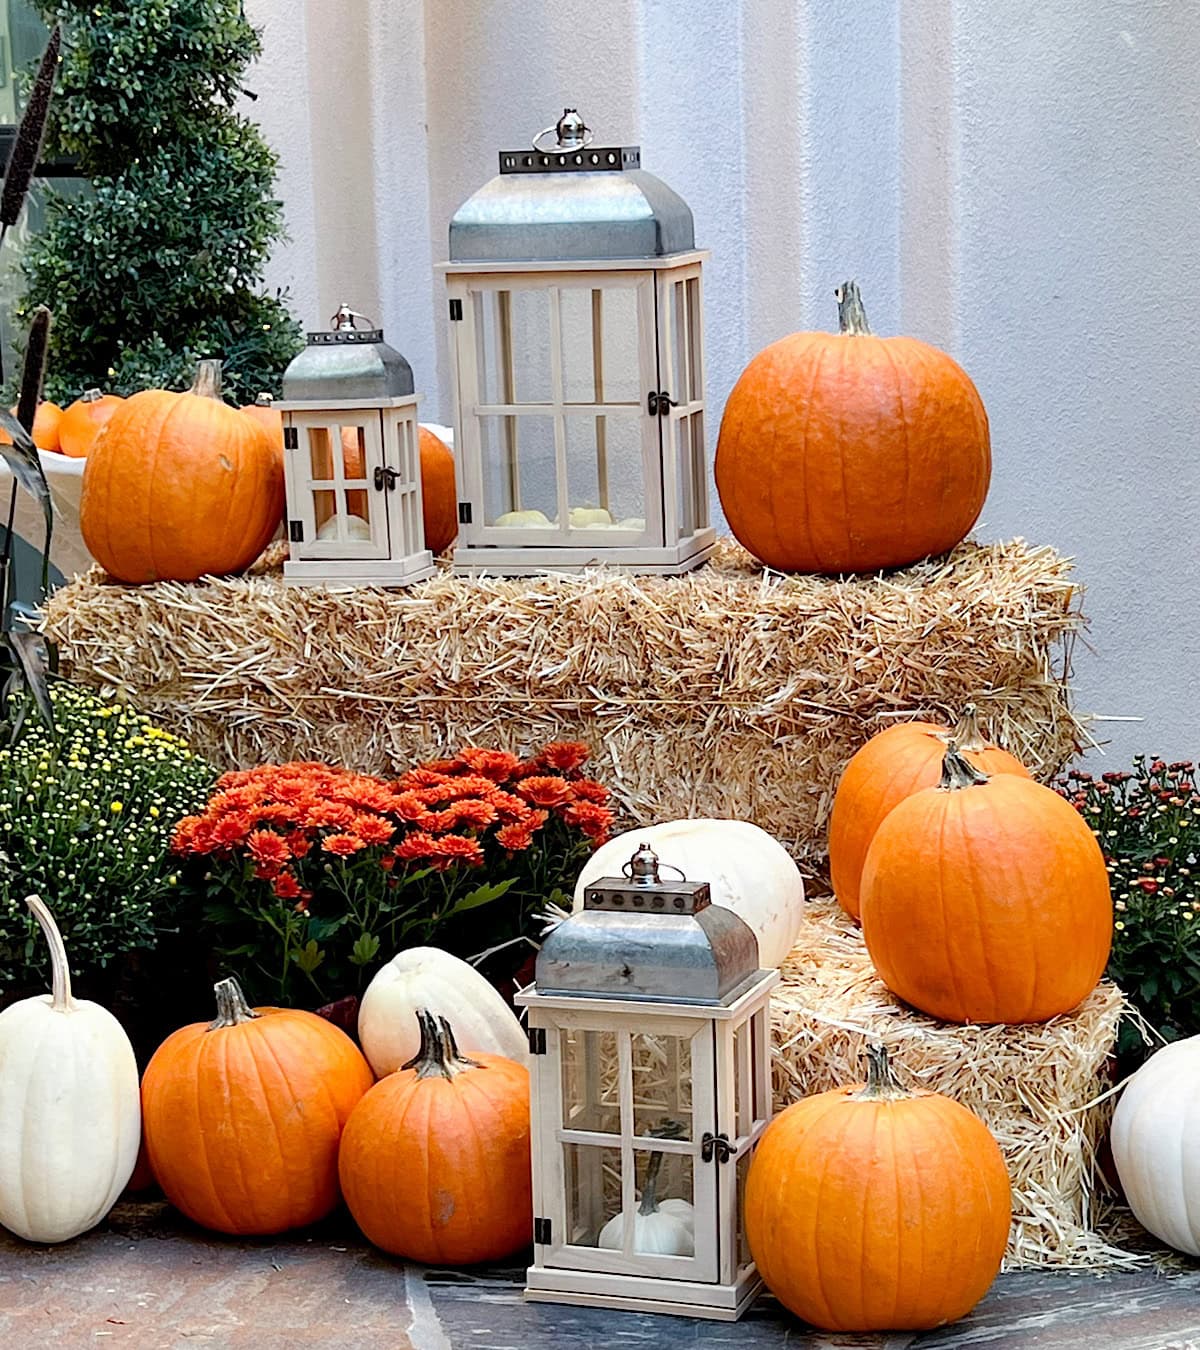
{"x":148,"y":1279}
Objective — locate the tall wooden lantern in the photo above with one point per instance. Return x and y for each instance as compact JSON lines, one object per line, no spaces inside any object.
{"x":352,"y":461}
{"x":648,"y":1019}
{"x":577,"y":339}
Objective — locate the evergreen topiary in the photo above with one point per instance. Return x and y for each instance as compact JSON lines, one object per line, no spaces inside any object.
{"x":161,"y":264}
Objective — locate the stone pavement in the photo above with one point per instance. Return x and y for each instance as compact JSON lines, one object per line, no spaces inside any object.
{"x":147,"y":1279}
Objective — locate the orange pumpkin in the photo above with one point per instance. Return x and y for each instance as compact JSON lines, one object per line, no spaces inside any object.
{"x":891,"y":766}
{"x":242,"y":1116}
{"x":45,"y":427}
{"x":850,"y":453}
{"x":986,"y":899}
{"x":435,"y":1162}
{"x":262,"y":411}
{"x":871,"y":1208}
{"x":84,"y":420}
{"x":439,"y":496}
{"x":180,"y":486}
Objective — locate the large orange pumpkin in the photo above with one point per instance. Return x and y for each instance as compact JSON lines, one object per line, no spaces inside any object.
{"x":180,"y":486}
{"x":849,"y":453}
{"x":871,"y":1208}
{"x":889,"y":767}
{"x":268,"y":417}
{"x":45,"y":427}
{"x":84,"y":420}
{"x":986,"y":899}
{"x":439,"y":496}
{"x":435,"y":1159}
{"x":242,"y":1116}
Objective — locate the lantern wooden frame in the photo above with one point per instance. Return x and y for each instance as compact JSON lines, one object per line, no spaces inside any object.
{"x":669,"y":412}
{"x":390,"y":489}
{"x":729,"y":1102}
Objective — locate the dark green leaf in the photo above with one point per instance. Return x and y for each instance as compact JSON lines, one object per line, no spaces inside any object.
{"x":365,"y":949}
{"x":481,"y":895}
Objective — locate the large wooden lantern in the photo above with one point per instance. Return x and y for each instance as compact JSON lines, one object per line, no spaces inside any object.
{"x":577,"y":340}
{"x":648,"y":1021}
{"x":352,"y":461}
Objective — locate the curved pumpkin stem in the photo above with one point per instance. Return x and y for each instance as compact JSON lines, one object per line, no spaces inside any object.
{"x":852,"y":317}
{"x":232,"y":1008}
{"x":61,"y":1000}
{"x":90,"y":396}
{"x":438,"y":1054}
{"x":207,"y":383}
{"x":967,"y":734}
{"x":882,"y":1085}
{"x":958,"y":772}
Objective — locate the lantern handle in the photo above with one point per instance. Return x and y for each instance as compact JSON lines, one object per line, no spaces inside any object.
{"x":643,"y":868}
{"x":570,"y":133}
{"x":346,"y":318}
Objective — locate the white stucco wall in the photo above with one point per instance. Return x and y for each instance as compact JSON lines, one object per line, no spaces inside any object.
{"x":1014,"y":182}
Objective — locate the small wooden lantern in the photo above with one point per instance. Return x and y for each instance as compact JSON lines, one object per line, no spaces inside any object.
{"x":576,"y":332}
{"x":648,"y":1022}
{"x":352,"y":461}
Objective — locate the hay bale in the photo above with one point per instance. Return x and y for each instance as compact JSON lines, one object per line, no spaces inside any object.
{"x":1040,"y":1089}
{"x":728,"y":692}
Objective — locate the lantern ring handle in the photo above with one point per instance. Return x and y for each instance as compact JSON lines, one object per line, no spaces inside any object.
{"x":627,"y":869}
{"x":558,"y":148}
{"x":346,"y":318}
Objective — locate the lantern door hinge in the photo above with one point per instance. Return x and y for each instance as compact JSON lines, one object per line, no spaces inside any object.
{"x":542,"y":1229}
{"x":537,"y":1040}
{"x":659,"y":403}
{"x":464,"y":513}
{"x":291,"y":438}
{"x":718,"y":1146}
{"x":296,"y":531}
{"x":455,"y":311}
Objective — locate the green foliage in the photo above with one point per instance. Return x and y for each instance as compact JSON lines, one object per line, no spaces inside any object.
{"x":1148,"y":825}
{"x":85,"y":820}
{"x":162,"y":264}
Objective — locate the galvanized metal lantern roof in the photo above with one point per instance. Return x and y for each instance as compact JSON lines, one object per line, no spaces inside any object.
{"x":347,"y":363}
{"x":640,"y":937}
{"x":569,"y":201}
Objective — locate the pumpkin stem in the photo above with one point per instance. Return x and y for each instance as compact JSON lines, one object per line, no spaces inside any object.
{"x":438,"y":1054}
{"x":882,"y":1085}
{"x":958,"y":772}
{"x":207,"y":383}
{"x":61,"y":1000}
{"x":232,"y":1007}
{"x":852,"y":317}
{"x":967,"y":734}
{"x":90,"y":396}
{"x":668,"y":1129}
{"x":263,"y":401}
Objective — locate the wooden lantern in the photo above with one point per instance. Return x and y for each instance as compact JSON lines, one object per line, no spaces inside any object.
{"x":352,"y":461}
{"x":648,"y":1021}
{"x":577,"y":339}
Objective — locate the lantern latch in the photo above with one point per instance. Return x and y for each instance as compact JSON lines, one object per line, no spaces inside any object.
{"x":385,"y":477}
{"x":717,"y":1145}
{"x":659,"y":403}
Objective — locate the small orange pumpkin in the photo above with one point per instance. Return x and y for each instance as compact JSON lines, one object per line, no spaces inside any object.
{"x":180,"y":486}
{"x":242,"y":1116}
{"x":848,"y":452}
{"x":889,"y":767}
{"x":269,"y":417}
{"x":439,"y":496}
{"x":871,"y":1208}
{"x":84,"y":420}
{"x":435,"y":1163}
{"x":986,"y":899}
{"x":45,"y":427}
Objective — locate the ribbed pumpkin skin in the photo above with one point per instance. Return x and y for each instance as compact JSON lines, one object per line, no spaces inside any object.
{"x":83,"y":422}
{"x":46,"y":422}
{"x":852,"y":453}
{"x":987,"y":904}
{"x":439,"y":496}
{"x":179,"y":486}
{"x":438,"y":1170}
{"x":890,"y":767}
{"x":242,"y":1123}
{"x":877,"y":1215}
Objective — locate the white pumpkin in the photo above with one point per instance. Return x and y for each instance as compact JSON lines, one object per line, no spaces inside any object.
{"x":1156,"y":1146}
{"x":589,"y":517}
{"x":70,"y":1107}
{"x":355,"y":526}
{"x":427,"y":977}
{"x":517,"y":519}
{"x":748,"y":871}
{"x":660,"y":1227}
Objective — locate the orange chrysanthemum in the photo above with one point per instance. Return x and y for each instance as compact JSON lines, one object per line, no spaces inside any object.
{"x":344,"y":845}
{"x":545,"y":790}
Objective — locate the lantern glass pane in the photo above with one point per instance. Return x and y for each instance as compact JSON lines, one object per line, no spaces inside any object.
{"x":592,"y":1180}
{"x":694,"y":347}
{"x":662,"y":1084}
{"x":520,"y":475}
{"x":690,"y":477}
{"x":590,"y":1093}
{"x":320,"y":454}
{"x":527,"y":360}
{"x":605,"y":475}
{"x":674,"y":1196}
{"x":599,"y":330}
{"x":681,"y":365}
{"x":579,"y":347}
{"x":352,"y":442}
{"x":743,"y":1079}
{"x":759,"y":1061}
{"x":620,"y":378}
{"x":743,"y":1171}
{"x":324,"y":510}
